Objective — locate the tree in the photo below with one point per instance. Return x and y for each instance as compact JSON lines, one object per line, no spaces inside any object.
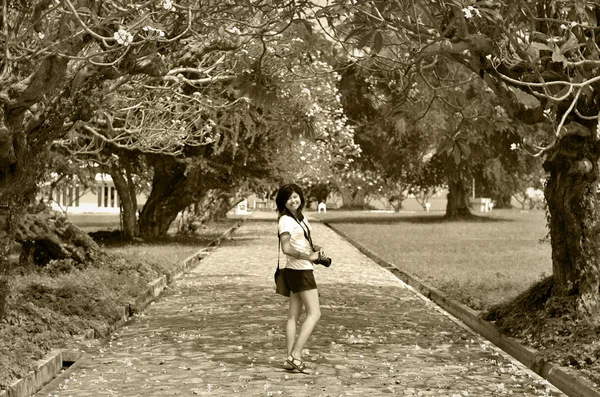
{"x":198,"y":103}
{"x":519,"y":49}
{"x":501,"y":170}
{"x":318,"y":193}
{"x":61,"y":61}
{"x":393,"y":144}
{"x":251,"y":138}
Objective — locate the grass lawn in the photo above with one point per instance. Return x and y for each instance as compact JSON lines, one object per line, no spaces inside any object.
{"x":168,"y":252}
{"x":165,"y":252}
{"x":482,"y":262}
{"x":478,"y":262}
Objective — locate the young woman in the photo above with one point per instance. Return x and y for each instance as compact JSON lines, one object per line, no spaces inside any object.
{"x":293,"y":232}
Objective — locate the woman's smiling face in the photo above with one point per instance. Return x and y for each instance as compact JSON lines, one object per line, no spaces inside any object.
{"x":293,"y":203}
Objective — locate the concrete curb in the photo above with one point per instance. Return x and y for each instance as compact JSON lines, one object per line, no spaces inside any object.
{"x":46,"y":369}
{"x":44,"y":376}
{"x":76,"y":360}
{"x":564,"y":379}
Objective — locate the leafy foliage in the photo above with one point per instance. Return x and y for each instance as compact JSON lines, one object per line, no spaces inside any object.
{"x":534,"y":49}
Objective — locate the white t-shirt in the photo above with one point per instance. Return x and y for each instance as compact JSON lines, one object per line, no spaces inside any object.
{"x":287,"y":224}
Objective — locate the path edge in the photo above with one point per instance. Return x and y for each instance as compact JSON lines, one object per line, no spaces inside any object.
{"x":58,"y":363}
{"x":562,"y":378}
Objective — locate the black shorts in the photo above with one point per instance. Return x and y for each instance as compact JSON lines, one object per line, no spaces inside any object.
{"x":299,"y":280}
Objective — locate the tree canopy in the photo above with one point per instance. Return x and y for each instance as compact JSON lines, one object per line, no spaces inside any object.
{"x":541,"y":61}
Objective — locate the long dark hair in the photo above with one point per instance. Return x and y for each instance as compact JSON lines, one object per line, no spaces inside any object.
{"x":283,"y":195}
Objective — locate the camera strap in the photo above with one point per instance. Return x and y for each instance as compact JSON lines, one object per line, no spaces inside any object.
{"x":306,"y":233}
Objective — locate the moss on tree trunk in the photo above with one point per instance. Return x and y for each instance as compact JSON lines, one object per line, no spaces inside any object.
{"x":46,"y":236}
{"x":571,"y":195}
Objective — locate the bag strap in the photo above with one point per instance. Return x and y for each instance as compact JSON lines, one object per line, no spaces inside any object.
{"x":278,"y":249}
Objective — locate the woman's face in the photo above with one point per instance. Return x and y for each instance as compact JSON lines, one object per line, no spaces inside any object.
{"x":293,"y":203}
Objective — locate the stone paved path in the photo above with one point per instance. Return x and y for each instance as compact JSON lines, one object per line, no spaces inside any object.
{"x":218,"y":331}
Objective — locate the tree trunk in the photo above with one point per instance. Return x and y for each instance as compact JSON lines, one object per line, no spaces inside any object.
{"x":457,"y":205}
{"x":352,"y":198}
{"x":223,"y":204}
{"x":518,"y":199}
{"x":423,"y":197}
{"x":127,"y":194}
{"x":502,"y":201}
{"x":216,"y":204}
{"x":170,"y":194}
{"x":571,"y":195}
{"x":161,"y":209}
{"x":46,"y":236}
{"x":397,"y":207}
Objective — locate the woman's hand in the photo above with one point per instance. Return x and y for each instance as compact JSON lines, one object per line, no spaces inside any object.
{"x":314,"y":256}
{"x":320,"y":250}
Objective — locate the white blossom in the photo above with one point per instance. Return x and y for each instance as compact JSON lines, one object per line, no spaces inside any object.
{"x":123,"y":37}
{"x":41,"y":35}
{"x":151,"y":29}
{"x":470,"y":10}
{"x":167,"y":5}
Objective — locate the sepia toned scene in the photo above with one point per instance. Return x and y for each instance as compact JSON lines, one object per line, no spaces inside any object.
{"x":299,"y":198}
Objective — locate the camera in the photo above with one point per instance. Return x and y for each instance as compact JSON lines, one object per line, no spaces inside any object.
{"x":323,"y":261}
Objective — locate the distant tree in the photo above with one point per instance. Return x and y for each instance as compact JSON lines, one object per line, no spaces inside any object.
{"x":386,"y":127}
{"x":318,"y":193}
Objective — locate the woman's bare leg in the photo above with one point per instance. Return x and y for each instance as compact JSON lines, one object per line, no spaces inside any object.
{"x":310,"y":299}
{"x":294,"y":312}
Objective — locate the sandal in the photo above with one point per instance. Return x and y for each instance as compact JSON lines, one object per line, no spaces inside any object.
{"x":297,"y":364}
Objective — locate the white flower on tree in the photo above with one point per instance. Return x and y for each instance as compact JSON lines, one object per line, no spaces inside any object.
{"x":167,"y":5}
{"x":123,"y":37}
{"x":153,"y":30}
{"x":470,"y":10}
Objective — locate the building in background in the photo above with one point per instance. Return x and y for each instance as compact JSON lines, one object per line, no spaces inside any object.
{"x":72,"y":197}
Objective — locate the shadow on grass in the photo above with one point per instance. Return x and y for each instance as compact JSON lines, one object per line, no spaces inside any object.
{"x":113,"y":239}
{"x":403,"y":218}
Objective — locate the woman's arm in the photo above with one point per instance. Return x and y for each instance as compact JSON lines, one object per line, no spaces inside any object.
{"x":287,"y":249}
